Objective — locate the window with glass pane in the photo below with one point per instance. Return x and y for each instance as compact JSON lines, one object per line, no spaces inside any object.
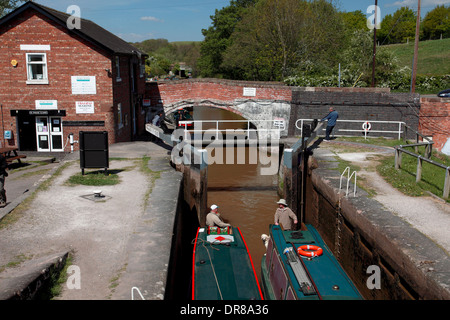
{"x":37,"y":66}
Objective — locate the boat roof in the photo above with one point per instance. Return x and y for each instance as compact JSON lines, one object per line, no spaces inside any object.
{"x":222,"y":266}
{"x":327,"y":275}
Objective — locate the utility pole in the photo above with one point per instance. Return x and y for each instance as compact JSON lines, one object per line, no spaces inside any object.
{"x":374,"y":43}
{"x":416,"y":50}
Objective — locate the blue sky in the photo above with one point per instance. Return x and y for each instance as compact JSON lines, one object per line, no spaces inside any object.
{"x":183,"y":20}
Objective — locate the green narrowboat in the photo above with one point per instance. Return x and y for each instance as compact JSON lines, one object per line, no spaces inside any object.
{"x":299,"y":266}
{"x":222,"y":268}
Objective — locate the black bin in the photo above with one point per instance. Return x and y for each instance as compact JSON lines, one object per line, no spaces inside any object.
{"x":94,"y":152}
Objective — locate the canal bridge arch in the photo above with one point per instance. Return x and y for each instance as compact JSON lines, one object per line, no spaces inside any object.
{"x":254,"y":101}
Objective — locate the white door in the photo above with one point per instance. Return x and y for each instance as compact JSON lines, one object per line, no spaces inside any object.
{"x":56,"y":134}
{"x":49,"y":134}
{"x":42,"y":134}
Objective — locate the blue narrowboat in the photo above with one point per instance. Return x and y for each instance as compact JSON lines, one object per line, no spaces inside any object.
{"x":299,"y":266}
{"x":222,"y":267}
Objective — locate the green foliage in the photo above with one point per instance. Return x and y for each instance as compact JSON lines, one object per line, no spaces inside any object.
{"x":278,"y":38}
{"x":437,"y":23}
{"x":404,"y":179}
{"x":354,"y":21}
{"x":7,"y":6}
{"x":433,"y":56}
{"x":94,"y":178}
{"x":218,"y":38}
{"x":302,"y":42}
{"x":398,"y":27}
{"x":165,"y":57}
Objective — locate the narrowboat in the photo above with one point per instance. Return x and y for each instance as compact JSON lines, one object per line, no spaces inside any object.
{"x":222,"y":268}
{"x":298,"y":265}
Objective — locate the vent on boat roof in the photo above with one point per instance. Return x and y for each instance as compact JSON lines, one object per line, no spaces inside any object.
{"x":303,"y":280}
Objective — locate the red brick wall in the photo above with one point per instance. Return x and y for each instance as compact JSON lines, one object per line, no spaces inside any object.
{"x":435,"y":120}
{"x":214,"y":89}
{"x":69,"y":55}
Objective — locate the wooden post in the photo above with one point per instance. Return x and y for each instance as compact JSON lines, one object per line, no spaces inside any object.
{"x":447,"y":183}
{"x":416,"y":50}
{"x":398,"y":158}
{"x":419,"y":169}
{"x":428,"y":151}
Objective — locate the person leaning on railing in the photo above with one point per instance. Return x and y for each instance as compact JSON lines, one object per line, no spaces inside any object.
{"x":332,"y":118}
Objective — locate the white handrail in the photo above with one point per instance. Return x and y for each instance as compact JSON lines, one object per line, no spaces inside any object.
{"x":399,"y":131}
{"x":132,"y":293}
{"x":349,"y":177}
{"x":278,"y":124}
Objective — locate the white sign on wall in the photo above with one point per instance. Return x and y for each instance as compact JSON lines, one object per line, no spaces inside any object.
{"x":84,"y":106}
{"x":46,"y":104}
{"x":249,"y":92}
{"x":83,"y":85}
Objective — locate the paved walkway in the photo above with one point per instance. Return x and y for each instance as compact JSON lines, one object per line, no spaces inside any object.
{"x":113,"y":239}
{"x":428,"y":214}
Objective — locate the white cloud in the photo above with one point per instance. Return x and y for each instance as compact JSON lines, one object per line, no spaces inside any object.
{"x":149,"y":18}
{"x":135,"y":37}
{"x":413,"y":3}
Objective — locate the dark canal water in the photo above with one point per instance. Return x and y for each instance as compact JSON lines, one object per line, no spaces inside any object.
{"x":246,"y":199}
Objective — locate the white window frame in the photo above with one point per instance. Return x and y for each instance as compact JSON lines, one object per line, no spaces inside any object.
{"x":30,"y":79}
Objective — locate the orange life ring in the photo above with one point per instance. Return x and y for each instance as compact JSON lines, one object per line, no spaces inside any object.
{"x":316,"y":251}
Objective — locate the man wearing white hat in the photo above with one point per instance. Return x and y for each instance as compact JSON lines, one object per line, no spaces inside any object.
{"x":284,"y":215}
{"x":213,"y":218}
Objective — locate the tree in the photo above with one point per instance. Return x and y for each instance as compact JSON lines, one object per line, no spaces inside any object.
{"x":265,"y":42}
{"x":398,"y":27}
{"x":217,"y":38}
{"x":278,"y":38}
{"x":7,"y":6}
{"x":357,"y":57}
{"x":437,"y":23}
{"x":354,"y":21}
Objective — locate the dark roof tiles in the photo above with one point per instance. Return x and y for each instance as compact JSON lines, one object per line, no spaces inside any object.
{"x":88,"y":29}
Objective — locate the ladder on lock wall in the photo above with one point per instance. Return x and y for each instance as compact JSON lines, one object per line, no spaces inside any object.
{"x":339,"y":218}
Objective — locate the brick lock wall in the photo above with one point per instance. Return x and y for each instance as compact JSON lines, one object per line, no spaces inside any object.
{"x":371,"y":104}
{"x":429,"y":116}
{"x":228,"y":91}
{"x":435,"y":120}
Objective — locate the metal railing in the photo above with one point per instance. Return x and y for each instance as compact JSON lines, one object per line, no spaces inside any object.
{"x":366,"y":126}
{"x":138,"y":291}
{"x":399,"y":150}
{"x":349,"y":178}
{"x":272,"y":128}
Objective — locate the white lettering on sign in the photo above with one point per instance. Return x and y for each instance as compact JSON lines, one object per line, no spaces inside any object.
{"x":46,"y":104}
{"x":84,"y":85}
{"x":249,"y":92}
{"x":84,"y":107}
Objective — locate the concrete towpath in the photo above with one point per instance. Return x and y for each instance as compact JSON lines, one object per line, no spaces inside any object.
{"x":112,"y":239}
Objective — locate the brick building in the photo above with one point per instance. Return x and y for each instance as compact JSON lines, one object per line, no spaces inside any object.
{"x":58,"y":80}
{"x":435,"y":121}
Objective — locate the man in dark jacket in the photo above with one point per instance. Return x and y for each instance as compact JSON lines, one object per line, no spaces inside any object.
{"x":332,"y":118}
{"x":3,"y":175}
